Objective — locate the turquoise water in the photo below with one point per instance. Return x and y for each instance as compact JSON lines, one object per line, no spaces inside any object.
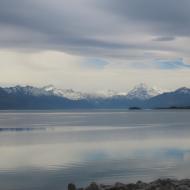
{"x":41,"y":150}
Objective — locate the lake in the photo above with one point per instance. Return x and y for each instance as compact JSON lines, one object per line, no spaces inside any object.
{"x":46,"y":150}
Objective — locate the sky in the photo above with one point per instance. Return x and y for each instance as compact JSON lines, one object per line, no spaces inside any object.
{"x":94,"y":45}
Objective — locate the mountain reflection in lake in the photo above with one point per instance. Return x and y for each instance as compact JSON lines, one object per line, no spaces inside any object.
{"x":47,"y":150}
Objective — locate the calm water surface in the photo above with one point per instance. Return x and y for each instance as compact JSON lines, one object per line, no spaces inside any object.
{"x":41,"y":150}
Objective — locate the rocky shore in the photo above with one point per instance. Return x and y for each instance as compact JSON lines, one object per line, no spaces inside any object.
{"x":160,"y":184}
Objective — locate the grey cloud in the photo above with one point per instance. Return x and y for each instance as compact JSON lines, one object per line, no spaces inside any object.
{"x":83,"y":27}
{"x":50,"y":24}
{"x":164,"y":38}
{"x":164,"y":16}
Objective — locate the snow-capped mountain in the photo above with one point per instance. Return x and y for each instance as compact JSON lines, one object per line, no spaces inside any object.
{"x":143,"y":92}
{"x":75,"y":95}
{"x":183,"y":90}
{"x":49,"y":97}
{"x":67,"y":93}
{"x":178,"y":98}
{"x":108,"y":94}
{"x":140,"y":91}
{"x":27,"y":90}
{"x":49,"y":90}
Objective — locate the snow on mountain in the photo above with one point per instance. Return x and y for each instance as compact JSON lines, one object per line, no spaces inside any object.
{"x":49,"y":90}
{"x":143,"y":92}
{"x":140,"y":91}
{"x":67,"y":93}
{"x":183,"y":90}
{"x":75,"y":95}
{"x":48,"y":97}
{"x":108,"y":94}
{"x":26,"y":90}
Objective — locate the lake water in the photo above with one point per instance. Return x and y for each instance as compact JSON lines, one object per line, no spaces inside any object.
{"x":43,"y":150}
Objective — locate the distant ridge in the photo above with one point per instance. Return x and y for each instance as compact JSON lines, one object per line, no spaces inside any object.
{"x":49,"y":97}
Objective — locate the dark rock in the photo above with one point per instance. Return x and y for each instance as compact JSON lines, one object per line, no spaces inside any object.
{"x":93,"y":186}
{"x":131,"y":186}
{"x":105,"y":187}
{"x":71,"y":186}
{"x":160,"y":184}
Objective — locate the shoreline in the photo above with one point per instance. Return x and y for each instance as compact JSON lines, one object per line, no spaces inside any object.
{"x":159,"y":184}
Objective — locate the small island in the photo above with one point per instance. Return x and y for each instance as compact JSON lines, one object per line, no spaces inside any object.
{"x":135,"y":108}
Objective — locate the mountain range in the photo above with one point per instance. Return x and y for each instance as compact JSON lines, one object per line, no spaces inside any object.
{"x":49,"y":97}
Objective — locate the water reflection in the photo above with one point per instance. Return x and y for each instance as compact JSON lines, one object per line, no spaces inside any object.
{"x":157,"y":146}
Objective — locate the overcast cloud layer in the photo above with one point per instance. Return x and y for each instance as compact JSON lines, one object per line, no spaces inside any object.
{"x":114,"y":43}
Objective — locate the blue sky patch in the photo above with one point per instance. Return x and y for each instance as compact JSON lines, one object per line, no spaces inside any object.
{"x":95,"y":63}
{"x":171,"y":64}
